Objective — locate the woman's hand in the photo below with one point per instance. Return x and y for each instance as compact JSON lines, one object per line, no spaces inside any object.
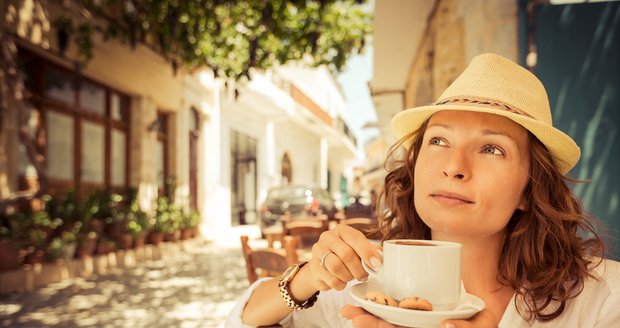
{"x":345,"y":247}
{"x":362,"y":319}
{"x":484,"y":319}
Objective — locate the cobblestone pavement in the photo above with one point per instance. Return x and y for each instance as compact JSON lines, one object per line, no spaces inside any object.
{"x":193,"y":289}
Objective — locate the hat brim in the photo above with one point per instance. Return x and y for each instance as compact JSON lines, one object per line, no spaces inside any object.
{"x":564,"y":150}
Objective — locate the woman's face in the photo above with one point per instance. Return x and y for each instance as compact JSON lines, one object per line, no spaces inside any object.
{"x":470,"y":173}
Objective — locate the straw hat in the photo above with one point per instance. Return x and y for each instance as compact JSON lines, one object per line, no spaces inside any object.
{"x":496,"y":85}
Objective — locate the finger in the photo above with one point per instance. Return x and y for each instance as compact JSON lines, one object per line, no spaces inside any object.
{"x":484,"y":319}
{"x":350,"y":311}
{"x":336,"y":266}
{"x":370,"y":321}
{"x":335,"y":262}
{"x":361,"y":318}
{"x":361,"y":248}
{"x":323,"y":275}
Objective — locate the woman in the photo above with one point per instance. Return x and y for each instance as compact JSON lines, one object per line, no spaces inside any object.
{"x":484,"y":167}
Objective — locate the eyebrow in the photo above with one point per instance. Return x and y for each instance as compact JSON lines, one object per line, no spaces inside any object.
{"x":447,"y":127}
{"x":485,"y":132}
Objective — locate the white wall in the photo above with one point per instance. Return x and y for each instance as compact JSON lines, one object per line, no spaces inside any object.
{"x":303,"y":149}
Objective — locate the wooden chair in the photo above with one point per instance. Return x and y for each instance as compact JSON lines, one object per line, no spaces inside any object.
{"x":269,"y":262}
{"x":365,"y":225}
{"x":365,"y":212}
{"x":307,"y":230}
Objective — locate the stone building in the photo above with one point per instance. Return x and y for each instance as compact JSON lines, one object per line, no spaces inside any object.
{"x":129,"y":119}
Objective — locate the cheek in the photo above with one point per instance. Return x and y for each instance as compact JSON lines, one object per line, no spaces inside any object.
{"x":501,"y":201}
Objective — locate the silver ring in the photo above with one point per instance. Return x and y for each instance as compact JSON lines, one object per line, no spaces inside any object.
{"x":323,"y":258}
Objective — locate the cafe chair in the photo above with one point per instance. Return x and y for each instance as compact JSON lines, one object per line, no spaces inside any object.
{"x":269,"y":262}
{"x":363,"y":212}
{"x":307,"y":230}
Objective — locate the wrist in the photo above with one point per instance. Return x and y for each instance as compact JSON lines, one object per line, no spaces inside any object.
{"x":300,"y":287}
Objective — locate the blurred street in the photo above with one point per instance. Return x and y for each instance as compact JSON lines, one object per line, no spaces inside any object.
{"x":196,"y":288}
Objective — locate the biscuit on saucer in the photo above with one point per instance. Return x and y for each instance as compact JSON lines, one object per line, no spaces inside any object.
{"x":416,"y":303}
{"x":381,"y":298}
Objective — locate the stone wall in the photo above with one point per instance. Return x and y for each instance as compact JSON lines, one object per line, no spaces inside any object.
{"x":456,"y":32}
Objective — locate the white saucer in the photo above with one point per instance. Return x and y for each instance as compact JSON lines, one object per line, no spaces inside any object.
{"x":413,"y":318}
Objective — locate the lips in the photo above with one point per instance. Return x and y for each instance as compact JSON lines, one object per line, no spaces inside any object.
{"x":451,"y":198}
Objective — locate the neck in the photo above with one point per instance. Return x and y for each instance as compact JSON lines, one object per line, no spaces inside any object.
{"x":480,"y":262}
{"x":479,"y":269}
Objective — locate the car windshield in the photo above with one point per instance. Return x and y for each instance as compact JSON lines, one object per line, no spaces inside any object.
{"x":289,"y":192}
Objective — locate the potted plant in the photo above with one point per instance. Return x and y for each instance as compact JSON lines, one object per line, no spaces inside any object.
{"x":138,"y":222}
{"x":117,"y":219}
{"x":105,"y":245}
{"x":69,"y":241}
{"x":161,"y":221}
{"x":54,"y":250}
{"x":11,"y":253}
{"x":86,"y":235}
{"x":36,"y":229}
{"x":189,"y":224}
{"x":173,"y":228}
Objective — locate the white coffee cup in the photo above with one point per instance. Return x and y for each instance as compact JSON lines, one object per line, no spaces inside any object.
{"x":429,"y":269}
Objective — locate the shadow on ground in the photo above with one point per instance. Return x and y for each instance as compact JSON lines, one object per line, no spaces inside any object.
{"x":193,"y":289}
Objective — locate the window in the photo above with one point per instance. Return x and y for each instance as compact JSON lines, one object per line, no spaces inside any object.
{"x":162,"y":152}
{"x":194,"y":136}
{"x":84,"y":127}
{"x":60,"y":146}
{"x":93,"y":153}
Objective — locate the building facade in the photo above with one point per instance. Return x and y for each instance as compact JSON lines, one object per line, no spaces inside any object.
{"x":128,"y":119}
{"x":283,"y":127}
{"x":124,"y":120}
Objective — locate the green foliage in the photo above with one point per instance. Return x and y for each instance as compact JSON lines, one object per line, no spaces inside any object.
{"x":190,"y":220}
{"x":137,"y":220}
{"x":230,"y":36}
{"x":30,"y":229}
{"x":55,"y":249}
{"x":168,"y":216}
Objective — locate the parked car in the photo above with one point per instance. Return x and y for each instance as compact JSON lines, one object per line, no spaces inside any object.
{"x":297,"y":201}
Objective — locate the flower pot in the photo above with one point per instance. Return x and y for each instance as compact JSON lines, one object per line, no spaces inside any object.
{"x":186,"y":233}
{"x":115,"y":230}
{"x":69,"y":250}
{"x":34,"y":257}
{"x":124,"y":241}
{"x":9,"y":255}
{"x":105,"y":247}
{"x":138,"y":240}
{"x":155,"y":237}
{"x":97,"y":225}
{"x":86,"y":247}
{"x":172,"y":236}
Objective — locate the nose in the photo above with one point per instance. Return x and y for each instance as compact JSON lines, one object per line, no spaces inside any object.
{"x":457,"y":166}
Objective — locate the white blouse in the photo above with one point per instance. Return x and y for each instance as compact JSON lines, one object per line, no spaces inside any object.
{"x":598,"y":305}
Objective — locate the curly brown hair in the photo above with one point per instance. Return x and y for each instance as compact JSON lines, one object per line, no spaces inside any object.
{"x":544,"y":257}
